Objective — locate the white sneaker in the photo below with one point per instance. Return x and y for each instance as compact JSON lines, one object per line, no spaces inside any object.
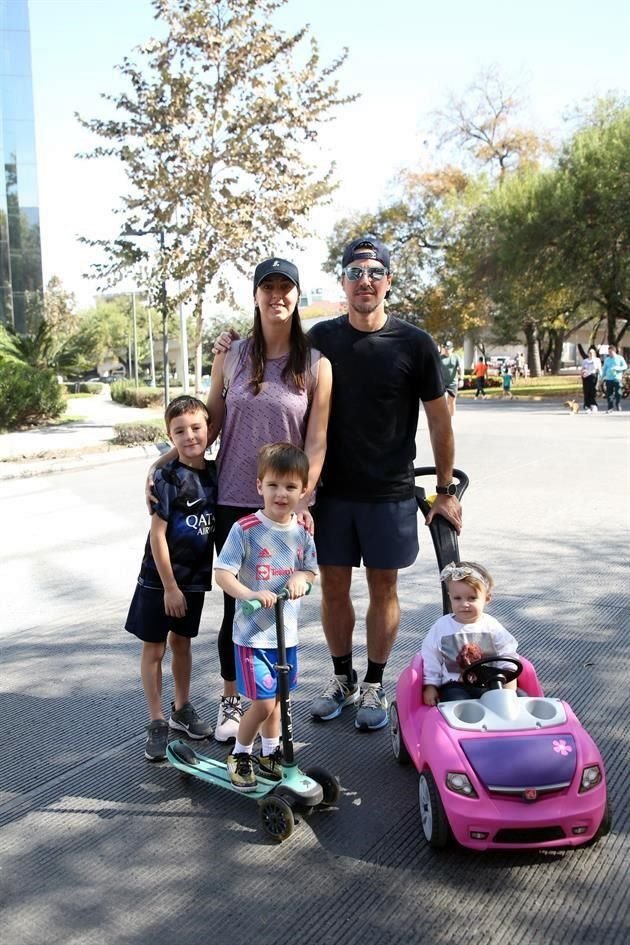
{"x":228,"y":719}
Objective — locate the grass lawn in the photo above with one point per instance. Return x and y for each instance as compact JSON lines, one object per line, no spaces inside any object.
{"x":550,"y":385}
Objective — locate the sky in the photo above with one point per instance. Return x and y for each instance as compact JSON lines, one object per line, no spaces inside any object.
{"x":406,"y":57}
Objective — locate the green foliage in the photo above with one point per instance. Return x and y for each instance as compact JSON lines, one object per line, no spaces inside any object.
{"x":134,"y":434}
{"x":28,"y":396}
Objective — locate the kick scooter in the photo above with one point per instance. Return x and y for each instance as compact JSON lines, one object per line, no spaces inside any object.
{"x":301,"y":790}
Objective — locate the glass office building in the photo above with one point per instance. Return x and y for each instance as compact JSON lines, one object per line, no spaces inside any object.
{"x":20,"y":247}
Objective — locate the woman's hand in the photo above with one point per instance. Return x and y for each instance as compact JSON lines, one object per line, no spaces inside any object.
{"x":149,"y":495}
{"x":223,"y":343}
{"x":305,"y":518}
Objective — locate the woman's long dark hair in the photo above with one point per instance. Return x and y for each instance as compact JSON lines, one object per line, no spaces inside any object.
{"x":298,"y":363}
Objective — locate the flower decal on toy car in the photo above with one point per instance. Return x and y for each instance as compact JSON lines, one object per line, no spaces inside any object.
{"x":561,"y":747}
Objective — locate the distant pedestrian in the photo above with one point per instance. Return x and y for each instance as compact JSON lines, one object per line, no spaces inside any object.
{"x":506,"y":378}
{"x":452,"y":375}
{"x":591,"y":370}
{"x":480,"y":372}
{"x":612,"y":374}
{"x":175,"y":573}
{"x":520,"y":365}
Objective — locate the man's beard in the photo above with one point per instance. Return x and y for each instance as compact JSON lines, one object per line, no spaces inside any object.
{"x":365,"y":307}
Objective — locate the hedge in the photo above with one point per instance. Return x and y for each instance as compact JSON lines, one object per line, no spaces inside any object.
{"x":125,"y":392}
{"x":28,"y":396}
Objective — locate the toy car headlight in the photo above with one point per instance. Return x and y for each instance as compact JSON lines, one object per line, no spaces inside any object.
{"x":459,"y":783}
{"x":591,"y":777}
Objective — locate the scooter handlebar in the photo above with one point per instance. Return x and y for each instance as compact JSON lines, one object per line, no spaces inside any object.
{"x":250,"y":607}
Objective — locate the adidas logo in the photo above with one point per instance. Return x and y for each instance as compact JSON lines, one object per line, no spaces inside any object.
{"x":264,"y":553}
{"x":276,"y":264}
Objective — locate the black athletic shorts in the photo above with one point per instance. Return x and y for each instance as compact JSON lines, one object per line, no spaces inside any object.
{"x":148,"y":621}
{"x":381,"y":534}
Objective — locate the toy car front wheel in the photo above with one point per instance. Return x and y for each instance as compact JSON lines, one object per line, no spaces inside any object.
{"x":434,"y":821}
{"x":277,"y":817}
{"x":398,"y":746}
{"x":328,"y":782}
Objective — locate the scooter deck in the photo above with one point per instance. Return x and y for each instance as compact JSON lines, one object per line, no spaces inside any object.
{"x":213,"y":771}
{"x":301,"y":786}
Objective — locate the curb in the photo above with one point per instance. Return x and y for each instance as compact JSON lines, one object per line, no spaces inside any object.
{"x":27,"y":470}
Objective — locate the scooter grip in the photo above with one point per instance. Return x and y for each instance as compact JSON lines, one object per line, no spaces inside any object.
{"x":250,"y":607}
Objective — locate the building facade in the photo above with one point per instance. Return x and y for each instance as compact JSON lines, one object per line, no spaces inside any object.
{"x":20,"y":246}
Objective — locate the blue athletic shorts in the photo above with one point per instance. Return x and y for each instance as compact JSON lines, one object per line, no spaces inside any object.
{"x":148,"y":620}
{"x":256,"y":677}
{"x":381,"y":534}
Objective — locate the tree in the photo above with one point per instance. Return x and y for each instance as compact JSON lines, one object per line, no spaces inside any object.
{"x":592,"y":228}
{"x":218,"y":124}
{"x":482,"y":123}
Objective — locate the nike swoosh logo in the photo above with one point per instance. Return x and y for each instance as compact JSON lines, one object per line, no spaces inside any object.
{"x":189,"y":504}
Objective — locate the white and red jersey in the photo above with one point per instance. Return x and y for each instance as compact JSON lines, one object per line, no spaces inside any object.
{"x":264,"y":555}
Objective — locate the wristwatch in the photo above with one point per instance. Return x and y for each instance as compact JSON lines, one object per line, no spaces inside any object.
{"x":451,"y":489}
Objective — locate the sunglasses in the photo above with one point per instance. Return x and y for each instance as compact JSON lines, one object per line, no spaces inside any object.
{"x":374,"y":273}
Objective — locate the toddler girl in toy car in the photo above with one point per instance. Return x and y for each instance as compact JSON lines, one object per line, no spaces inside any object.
{"x":466,"y":635}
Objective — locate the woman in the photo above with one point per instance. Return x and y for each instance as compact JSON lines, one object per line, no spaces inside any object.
{"x":591,"y":369}
{"x":270,"y":387}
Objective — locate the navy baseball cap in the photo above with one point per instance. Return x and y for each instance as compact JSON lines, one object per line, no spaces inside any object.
{"x":276,"y":267}
{"x":366,"y":247}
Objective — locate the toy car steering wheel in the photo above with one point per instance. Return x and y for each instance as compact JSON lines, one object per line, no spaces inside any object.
{"x":482,"y":674}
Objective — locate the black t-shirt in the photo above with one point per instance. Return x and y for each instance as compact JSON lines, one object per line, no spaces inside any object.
{"x":186,"y":501}
{"x":379,"y":379}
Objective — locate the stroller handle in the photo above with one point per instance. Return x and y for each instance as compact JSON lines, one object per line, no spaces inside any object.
{"x":443,"y":534}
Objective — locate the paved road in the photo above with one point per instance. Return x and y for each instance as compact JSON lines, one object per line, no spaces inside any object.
{"x":99,"y":848}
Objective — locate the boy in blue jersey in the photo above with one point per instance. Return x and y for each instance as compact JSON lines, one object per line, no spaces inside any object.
{"x":175,"y":573}
{"x":263,"y":553}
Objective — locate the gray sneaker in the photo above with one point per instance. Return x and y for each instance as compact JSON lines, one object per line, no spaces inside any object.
{"x":187,"y":720}
{"x":157,"y":740}
{"x":336,"y":696}
{"x":372,"y":711}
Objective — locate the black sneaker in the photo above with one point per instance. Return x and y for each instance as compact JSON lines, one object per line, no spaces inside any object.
{"x":270,"y":766}
{"x":157,"y":740}
{"x":187,"y":720}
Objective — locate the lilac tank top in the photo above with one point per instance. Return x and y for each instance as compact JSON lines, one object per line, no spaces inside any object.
{"x":278,"y":413}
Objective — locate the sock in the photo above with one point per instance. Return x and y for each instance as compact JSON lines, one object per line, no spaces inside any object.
{"x":242,"y":749}
{"x":374,"y":674}
{"x":343,"y":666}
{"x":269,"y":745}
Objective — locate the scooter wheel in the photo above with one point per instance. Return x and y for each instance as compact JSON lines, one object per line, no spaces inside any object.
{"x":277,"y":817}
{"x":329,"y":784}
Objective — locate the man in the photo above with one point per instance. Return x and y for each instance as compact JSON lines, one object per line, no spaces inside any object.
{"x":452,"y":375}
{"x":366,"y":510}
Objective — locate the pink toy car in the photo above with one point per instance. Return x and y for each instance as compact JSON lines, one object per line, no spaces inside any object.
{"x":507,"y":770}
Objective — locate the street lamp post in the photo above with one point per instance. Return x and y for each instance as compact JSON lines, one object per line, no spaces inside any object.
{"x":164,"y":308}
{"x":129,"y":231}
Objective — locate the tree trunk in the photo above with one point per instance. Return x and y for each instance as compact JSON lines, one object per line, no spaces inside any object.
{"x":533,"y":351}
{"x":557,"y":341}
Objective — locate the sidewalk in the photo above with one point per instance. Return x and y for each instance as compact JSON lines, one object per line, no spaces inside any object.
{"x":82,"y":442}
